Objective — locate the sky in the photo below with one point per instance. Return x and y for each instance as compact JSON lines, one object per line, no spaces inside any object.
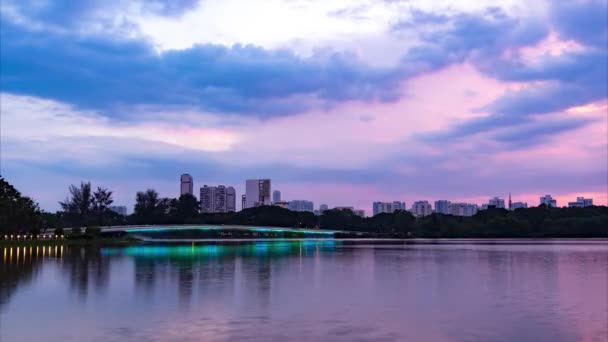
{"x":341,"y":102}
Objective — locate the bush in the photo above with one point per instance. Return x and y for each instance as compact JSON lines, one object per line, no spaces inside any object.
{"x":58,"y":231}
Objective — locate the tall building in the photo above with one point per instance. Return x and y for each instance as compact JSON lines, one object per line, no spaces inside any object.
{"x":581,"y":202}
{"x":442,"y":207}
{"x":301,"y":205}
{"x":217,"y":199}
{"x":243,"y":201}
{"x":421,"y":208}
{"x":186,"y":185}
{"x":322,"y":208}
{"x":257,"y":192}
{"x":397,"y":205}
{"x":207,"y":198}
{"x":119,"y":209}
{"x":387,"y":207}
{"x":230,"y":199}
{"x":462,"y":209}
{"x":548,"y":201}
{"x":276,"y":196}
{"x":497,"y":203}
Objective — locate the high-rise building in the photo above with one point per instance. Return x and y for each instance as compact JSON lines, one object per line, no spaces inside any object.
{"x":387,"y":207}
{"x":207,"y":198}
{"x":276,"y":196}
{"x":462,"y":209}
{"x":301,"y":205}
{"x":243,"y":201}
{"x":497,"y":202}
{"x":257,"y":192}
{"x":322,"y":208}
{"x":230,"y":199}
{"x":186,"y":185}
{"x":119,"y":209}
{"x":397,"y":205}
{"x":442,"y":207}
{"x":548,"y":201}
{"x":581,"y":202}
{"x":421,"y":208}
{"x":217,"y":199}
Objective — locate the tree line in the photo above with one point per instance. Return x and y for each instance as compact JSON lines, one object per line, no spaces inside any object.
{"x":86,"y":207}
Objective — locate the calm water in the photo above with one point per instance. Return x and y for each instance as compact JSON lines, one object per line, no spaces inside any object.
{"x":309,"y":291}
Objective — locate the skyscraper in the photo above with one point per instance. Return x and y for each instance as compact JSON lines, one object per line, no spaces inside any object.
{"x":322,"y":208}
{"x":548,"y":201}
{"x":421,"y":208}
{"x":217,"y":199}
{"x":581,"y":202}
{"x":230,"y":199}
{"x":276,"y":196}
{"x":497,"y":202}
{"x":186,"y":185}
{"x":257,"y":192}
{"x":207,"y":198}
{"x":301,"y":205}
{"x":442,"y":207}
{"x":462,"y":209}
{"x":387,"y":207}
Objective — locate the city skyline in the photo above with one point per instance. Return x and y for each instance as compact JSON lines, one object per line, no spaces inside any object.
{"x":348,"y":103}
{"x":261,"y":190}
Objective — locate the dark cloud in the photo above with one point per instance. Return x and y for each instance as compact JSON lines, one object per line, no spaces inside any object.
{"x":525,"y":136}
{"x":583,"y":21}
{"x":103,"y":73}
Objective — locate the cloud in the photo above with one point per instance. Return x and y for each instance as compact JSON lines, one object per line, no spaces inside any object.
{"x":549,"y":84}
{"x":583,"y":21}
{"x":539,"y":132}
{"x":103,"y":73}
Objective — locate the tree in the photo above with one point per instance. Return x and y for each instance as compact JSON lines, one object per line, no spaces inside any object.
{"x":102,"y":198}
{"x":80,"y":203}
{"x":17,"y":213}
{"x":149,"y":208}
{"x":186,"y":208}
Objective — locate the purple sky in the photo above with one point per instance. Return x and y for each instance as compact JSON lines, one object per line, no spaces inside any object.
{"x":338,"y":102}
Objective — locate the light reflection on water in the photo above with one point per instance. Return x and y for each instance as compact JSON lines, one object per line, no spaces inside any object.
{"x":308,"y":290}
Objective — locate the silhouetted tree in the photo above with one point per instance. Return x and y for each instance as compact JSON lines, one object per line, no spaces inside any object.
{"x":102,"y":199}
{"x":17,"y":213}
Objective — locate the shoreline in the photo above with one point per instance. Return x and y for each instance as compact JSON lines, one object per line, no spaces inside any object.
{"x":117,"y":242}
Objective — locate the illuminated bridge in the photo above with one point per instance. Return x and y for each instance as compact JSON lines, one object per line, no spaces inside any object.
{"x":206,"y":232}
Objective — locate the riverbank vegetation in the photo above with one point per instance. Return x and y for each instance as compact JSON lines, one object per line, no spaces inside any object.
{"x":86,"y":207}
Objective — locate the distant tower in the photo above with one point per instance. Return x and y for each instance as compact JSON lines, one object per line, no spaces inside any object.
{"x":186,"y":184}
{"x":276,"y":196}
{"x":510,"y":203}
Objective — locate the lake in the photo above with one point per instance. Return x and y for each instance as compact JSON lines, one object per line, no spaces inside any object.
{"x":307,"y":290}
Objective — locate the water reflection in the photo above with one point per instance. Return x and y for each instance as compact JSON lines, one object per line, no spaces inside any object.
{"x":311,"y":290}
